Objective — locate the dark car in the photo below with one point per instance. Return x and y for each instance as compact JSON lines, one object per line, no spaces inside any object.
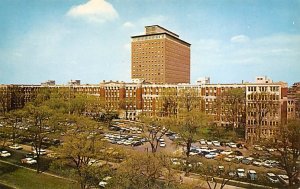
{"x":137,"y":143}
{"x":237,"y":153}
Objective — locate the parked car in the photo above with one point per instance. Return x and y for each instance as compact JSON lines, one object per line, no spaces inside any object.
{"x":208,"y":142}
{"x":104,"y":181}
{"x":216,"y":143}
{"x":137,"y":143}
{"x":257,"y":162}
{"x":227,"y":152}
{"x":247,"y":160}
{"x":162,"y":144}
{"x":195,"y":151}
{"x":41,"y":151}
{"x":252,"y":175}
{"x":232,"y":174}
{"x":5,"y":154}
{"x":232,"y":145}
{"x":29,"y":161}
{"x":267,"y":164}
{"x":239,"y":158}
{"x":211,"y":155}
{"x":175,"y":161}
{"x":16,"y":147}
{"x":237,"y":153}
{"x":202,"y":142}
{"x":272,"y":178}
{"x":284,"y":179}
{"x":30,"y":155}
{"x":227,"y":159}
{"x":257,"y":147}
{"x":241,"y":173}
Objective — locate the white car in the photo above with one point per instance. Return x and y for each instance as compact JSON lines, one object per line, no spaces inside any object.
{"x":162,"y":144}
{"x":284,"y":179}
{"x":216,"y":143}
{"x":241,"y":173}
{"x":211,"y":155}
{"x":42,"y":151}
{"x":175,"y":161}
{"x":227,"y":152}
{"x":252,"y":175}
{"x":202,"y":142}
{"x":103,"y":183}
{"x":257,"y":162}
{"x":267,"y":164}
{"x":5,"y":154}
{"x":227,"y":159}
{"x":29,"y":161}
{"x":232,"y":145}
{"x":16,"y":147}
{"x":208,"y":142}
{"x":272,"y":178}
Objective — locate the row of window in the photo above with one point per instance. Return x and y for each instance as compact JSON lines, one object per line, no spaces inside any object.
{"x":149,"y":37}
{"x":263,"y":88}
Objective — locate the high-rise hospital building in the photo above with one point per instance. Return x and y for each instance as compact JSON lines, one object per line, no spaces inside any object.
{"x":160,"y":57}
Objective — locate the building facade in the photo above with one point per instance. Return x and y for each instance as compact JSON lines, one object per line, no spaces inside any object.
{"x":265,"y":105}
{"x":160,"y":56}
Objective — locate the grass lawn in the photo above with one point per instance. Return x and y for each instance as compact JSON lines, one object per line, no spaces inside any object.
{"x":23,"y":179}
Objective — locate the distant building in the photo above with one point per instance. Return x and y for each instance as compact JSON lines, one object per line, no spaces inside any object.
{"x":263,"y":79}
{"x":293,"y":105}
{"x":49,"y":82}
{"x":159,"y":56}
{"x":74,"y":82}
{"x":203,"y":80}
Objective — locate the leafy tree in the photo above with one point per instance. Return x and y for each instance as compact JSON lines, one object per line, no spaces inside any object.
{"x":169,"y":102}
{"x":15,"y":119}
{"x":287,"y":147}
{"x":155,"y":128}
{"x":82,"y":148}
{"x":140,"y":171}
{"x":127,"y":104}
{"x":191,"y":121}
{"x":38,"y":119}
{"x":233,"y":103}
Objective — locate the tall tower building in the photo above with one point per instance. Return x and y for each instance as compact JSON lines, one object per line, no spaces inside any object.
{"x":159,"y":56}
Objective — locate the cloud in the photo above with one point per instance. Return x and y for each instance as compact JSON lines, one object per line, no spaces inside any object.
{"x":240,"y":39}
{"x":128,"y":25}
{"x":98,"y":11}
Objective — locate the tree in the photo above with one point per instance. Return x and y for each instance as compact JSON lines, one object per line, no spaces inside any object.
{"x":38,"y":119}
{"x":143,"y":171}
{"x":233,"y":102}
{"x":288,"y":149}
{"x":155,"y":128}
{"x":15,"y":120}
{"x":82,"y":148}
{"x":191,"y":121}
{"x":216,"y":174}
{"x":169,"y":102}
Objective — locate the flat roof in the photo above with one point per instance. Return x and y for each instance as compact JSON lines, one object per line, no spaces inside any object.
{"x":144,"y":35}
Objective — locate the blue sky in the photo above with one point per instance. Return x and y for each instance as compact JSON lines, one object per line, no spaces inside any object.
{"x":232,"y":40}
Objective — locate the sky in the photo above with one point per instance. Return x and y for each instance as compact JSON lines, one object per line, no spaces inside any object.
{"x":232,"y":40}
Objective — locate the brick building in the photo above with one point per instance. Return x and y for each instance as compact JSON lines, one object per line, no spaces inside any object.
{"x":160,"y":56}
